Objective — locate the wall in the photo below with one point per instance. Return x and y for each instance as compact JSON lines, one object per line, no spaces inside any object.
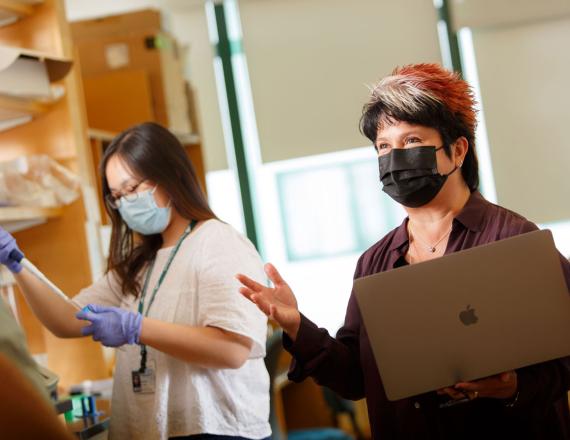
{"x":84,"y":9}
{"x":190,"y":28}
{"x":310,"y":61}
{"x":523,"y":73}
{"x":489,"y":13}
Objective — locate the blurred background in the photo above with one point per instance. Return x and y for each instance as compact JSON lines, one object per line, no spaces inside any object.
{"x":266,"y":95}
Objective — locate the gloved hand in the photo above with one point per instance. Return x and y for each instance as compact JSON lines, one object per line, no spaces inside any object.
{"x":111,"y":325}
{"x":7,"y":245}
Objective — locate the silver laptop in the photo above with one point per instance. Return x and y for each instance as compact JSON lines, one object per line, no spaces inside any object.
{"x":467,"y":315}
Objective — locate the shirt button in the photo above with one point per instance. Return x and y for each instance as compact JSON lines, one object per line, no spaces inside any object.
{"x":417,"y":405}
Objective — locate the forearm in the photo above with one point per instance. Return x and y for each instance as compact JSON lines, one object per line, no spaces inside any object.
{"x":332,"y":362}
{"x":54,"y":312}
{"x":208,"y":347}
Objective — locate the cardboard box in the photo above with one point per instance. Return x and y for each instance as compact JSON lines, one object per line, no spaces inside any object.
{"x":134,"y":41}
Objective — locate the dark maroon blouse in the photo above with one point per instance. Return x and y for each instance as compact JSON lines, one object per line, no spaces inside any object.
{"x":346,"y":363}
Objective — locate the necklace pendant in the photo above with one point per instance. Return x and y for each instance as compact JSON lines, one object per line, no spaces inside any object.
{"x":432,"y":249}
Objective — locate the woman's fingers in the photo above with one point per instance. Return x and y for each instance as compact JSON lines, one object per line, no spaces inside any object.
{"x":246,"y":292}
{"x":468,"y":386}
{"x":261,"y":303}
{"x":255,"y":298}
{"x":501,"y":386}
{"x":274,"y":302}
{"x":248,"y":282}
{"x":276,"y":313}
{"x":274,"y":275}
{"x":453,"y":393}
{"x":473,"y":389}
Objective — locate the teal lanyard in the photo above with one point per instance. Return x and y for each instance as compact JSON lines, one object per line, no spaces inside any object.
{"x":158,"y":284}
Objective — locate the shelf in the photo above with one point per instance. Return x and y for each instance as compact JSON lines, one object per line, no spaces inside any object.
{"x":13,"y":10}
{"x":57,"y":67}
{"x":17,"y":213}
{"x":108,"y":136}
{"x":26,"y":106}
{"x":101,"y":135}
{"x":26,"y":84}
{"x":17,"y":111}
{"x":17,"y":218}
{"x":188,"y":138}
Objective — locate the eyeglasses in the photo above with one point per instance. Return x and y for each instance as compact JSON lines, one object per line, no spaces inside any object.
{"x":130,"y":196}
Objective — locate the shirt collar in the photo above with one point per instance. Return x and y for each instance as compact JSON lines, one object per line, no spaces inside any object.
{"x":473,"y":213}
{"x":471,"y":216}
{"x":400,"y":235}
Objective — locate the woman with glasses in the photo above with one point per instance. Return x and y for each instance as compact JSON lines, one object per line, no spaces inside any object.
{"x":189,"y":359}
{"x":421,"y":120}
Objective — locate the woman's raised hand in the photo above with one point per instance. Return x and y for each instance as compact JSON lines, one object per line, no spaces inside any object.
{"x":278,"y":302}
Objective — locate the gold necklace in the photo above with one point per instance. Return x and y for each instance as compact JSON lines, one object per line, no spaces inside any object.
{"x":429,"y":248}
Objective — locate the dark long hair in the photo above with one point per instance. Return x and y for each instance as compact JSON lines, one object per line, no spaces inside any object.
{"x":153,"y":153}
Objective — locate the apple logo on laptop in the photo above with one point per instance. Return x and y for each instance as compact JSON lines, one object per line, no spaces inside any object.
{"x":468,"y":317}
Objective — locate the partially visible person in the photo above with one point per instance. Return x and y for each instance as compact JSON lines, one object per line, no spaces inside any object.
{"x":421,"y":120}
{"x":25,"y":413}
{"x":25,"y":409}
{"x":14,"y":348}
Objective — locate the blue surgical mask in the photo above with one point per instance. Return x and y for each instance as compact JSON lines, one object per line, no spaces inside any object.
{"x":143,"y":215}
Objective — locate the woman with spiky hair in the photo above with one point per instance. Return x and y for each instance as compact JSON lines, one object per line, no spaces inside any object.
{"x":421,"y":120}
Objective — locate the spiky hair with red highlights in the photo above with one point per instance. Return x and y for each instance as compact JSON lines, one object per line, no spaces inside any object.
{"x":428,"y":95}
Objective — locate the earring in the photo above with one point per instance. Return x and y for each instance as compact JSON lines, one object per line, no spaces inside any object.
{"x":460,"y":164}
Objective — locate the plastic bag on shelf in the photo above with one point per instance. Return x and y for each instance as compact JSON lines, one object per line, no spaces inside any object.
{"x":37,"y":181}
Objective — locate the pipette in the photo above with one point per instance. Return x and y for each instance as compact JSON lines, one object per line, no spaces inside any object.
{"x":16,"y":255}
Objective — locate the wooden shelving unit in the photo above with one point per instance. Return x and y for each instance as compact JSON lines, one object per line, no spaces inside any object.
{"x":15,"y":213}
{"x":54,"y":239}
{"x":34,"y":107}
{"x":15,"y":219}
{"x":57,"y":66}
{"x":13,"y":10}
{"x":18,"y":111}
{"x":24,"y":103}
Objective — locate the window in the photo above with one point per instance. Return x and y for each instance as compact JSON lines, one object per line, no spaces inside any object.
{"x":334,"y":209}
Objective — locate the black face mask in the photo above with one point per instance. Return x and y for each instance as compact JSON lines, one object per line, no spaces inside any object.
{"x":410,"y":176}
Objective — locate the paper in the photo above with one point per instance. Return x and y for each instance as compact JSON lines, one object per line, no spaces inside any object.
{"x":26,"y":78}
{"x":7,"y":124}
{"x":117,"y":55}
{"x":57,"y":67}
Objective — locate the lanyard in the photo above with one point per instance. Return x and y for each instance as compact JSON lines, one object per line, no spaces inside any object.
{"x":158,"y":284}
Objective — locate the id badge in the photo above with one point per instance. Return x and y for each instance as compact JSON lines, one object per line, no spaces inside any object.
{"x":143,"y":382}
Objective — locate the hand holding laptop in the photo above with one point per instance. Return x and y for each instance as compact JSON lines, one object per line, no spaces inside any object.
{"x":500,"y":386}
{"x":278,"y":303}
{"x":455,"y":322}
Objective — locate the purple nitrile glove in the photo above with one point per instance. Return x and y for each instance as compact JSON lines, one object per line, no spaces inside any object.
{"x":111,"y":326}
{"x":7,"y":245}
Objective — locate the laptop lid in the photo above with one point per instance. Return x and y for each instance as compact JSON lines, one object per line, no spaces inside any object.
{"x":467,"y":315}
